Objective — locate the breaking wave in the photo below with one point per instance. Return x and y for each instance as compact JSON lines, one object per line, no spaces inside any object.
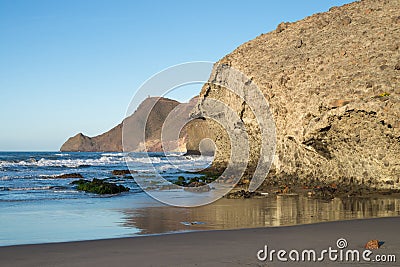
{"x":69,"y":163}
{"x":25,"y":188}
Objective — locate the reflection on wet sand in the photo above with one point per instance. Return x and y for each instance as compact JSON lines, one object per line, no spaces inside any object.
{"x":247,"y":213}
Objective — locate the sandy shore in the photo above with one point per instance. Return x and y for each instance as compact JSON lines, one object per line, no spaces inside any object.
{"x":213,"y":248}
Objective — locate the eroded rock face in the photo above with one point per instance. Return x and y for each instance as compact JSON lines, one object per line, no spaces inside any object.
{"x":112,"y":139}
{"x":332,"y":82}
{"x":77,"y":143}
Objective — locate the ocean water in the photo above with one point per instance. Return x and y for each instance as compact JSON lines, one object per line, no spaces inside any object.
{"x":30,"y":176}
{"x":37,"y":208}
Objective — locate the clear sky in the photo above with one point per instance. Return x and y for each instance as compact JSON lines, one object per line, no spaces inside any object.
{"x":73,"y":66}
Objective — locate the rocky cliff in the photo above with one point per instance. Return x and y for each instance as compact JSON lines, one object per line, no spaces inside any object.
{"x":112,"y":139}
{"x":332,"y":82}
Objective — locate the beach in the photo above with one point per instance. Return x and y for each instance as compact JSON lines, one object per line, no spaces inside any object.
{"x":213,"y":248}
{"x":46,"y":221}
{"x":37,"y":207}
{"x":143,"y":133}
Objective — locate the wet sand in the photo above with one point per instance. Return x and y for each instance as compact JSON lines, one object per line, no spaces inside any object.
{"x":137,"y":215}
{"x":212,"y":248}
{"x":227,"y":214}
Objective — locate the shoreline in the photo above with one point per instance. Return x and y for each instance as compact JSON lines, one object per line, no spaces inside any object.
{"x":209,"y":248}
{"x":132,"y":216}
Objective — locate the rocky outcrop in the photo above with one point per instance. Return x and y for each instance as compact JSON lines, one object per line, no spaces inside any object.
{"x":332,"y":82}
{"x":109,"y":141}
{"x":200,"y":137}
{"x":99,"y":186}
{"x":112,"y":140}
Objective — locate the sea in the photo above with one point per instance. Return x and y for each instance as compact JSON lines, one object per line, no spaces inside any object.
{"x":38,"y":207}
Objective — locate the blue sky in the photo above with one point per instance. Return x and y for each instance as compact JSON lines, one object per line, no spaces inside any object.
{"x":73,"y":66}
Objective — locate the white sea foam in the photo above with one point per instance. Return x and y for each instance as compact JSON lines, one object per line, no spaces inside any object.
{"x":71,"y":163}
{"x":27,"y":188}
{"x":143,"y":160}
{"x":66,"y":191}
{"x":114,"y":154}
{"x":186,"y":162}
